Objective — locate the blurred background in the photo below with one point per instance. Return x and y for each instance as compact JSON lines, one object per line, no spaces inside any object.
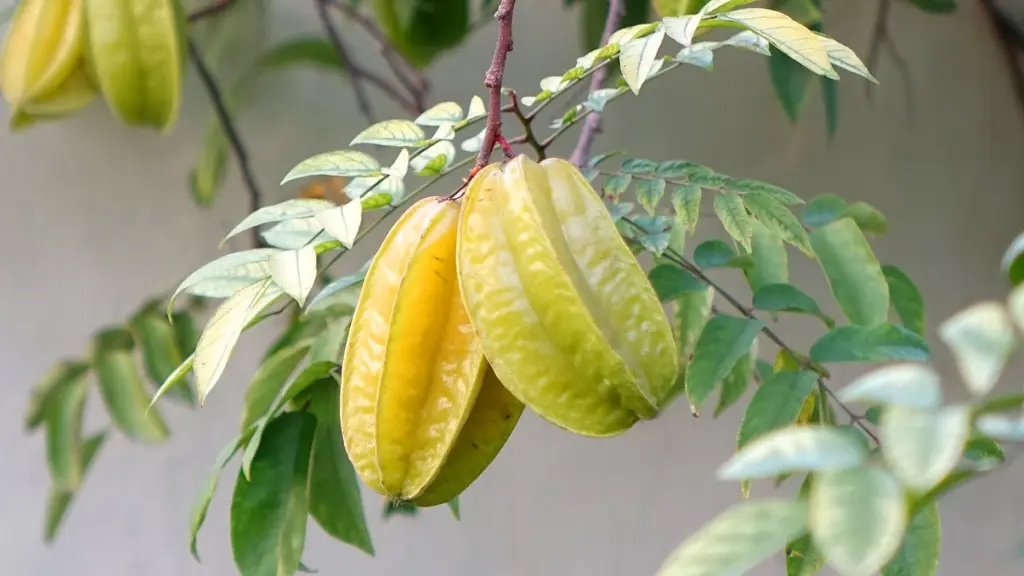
{"x":96,"y":217}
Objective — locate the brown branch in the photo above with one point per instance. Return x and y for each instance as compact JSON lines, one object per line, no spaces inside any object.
{"x":493,"y":80}
{"x":226,"y":123}
{"x":590,"y":126}
{"x":1010,"y":41}
{"x":413,"y":80}
{"x":211,"y":10}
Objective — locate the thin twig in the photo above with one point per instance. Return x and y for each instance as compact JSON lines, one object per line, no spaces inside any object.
{"x":493,"y":79}
{"x":590,"y":126}
{"x":226,"y":123}
{"x":357,"y":78}
{"x":209,"y":11}
{"x":1010,"y":41}
{"x":529,"y":137}
{"x":413,"y":80}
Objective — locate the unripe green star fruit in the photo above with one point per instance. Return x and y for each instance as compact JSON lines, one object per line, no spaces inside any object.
{"x":568,"y":320}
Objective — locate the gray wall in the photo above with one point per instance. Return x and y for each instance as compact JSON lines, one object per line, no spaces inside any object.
{"x":96,"y":217}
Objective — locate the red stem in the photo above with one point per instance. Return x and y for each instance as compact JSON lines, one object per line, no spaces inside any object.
{"x":592,"y":122}
{"x":493,"y":80}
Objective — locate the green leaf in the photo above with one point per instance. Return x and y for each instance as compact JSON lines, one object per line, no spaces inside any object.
{"x":909,"y":385}
{"x":639,"y":166}
{"x":982,"y":453}
{"x":268,"y":514}
{"x":395,"y":132}
{"x":334,"y":499}
{"x":226,"y":275}
{"x":1013,"y":261}
{"x":441,"y":114}
{"x":715,"y":253}
{"x":347,"y":163}
{"x":919,"y":553}
{"x":803,"y":558}
{"x":736,"y":382}
{"x":923,"y":445}
{"x":822,"y":210}
{"x":58,"y":501}
{"x":877,"y":343}
{"x":794,"y":449}
{"x":724,"y":340}
{"x":790,"y":81}
{"x":177,"y":377}
{"x":740,"y":538}
{"x":788,"y":298}
{"x":981,"y":338}
{"x":770,"y":261}
{"x":223,"y":330}
{"x":206,"y":179}
{"x":637,"y":58}
{"x":936,"y":7}
{"x":290,"y":209}
{"x":453,"y":505}
{"x":780,"y":195}
{"x":678,"y":169}
{"x":315,"y":51}
{"x":775,"y":404}
{"x":787,"y":35}
{"x":338,"y":288}
{"x":64,"y":450}
{"x":649,"y":193}
{"x":690,"y":313}
{"x":205,"y":496}
{"x":615,"y":186}
{"x":52,"y":382}
{"x":399,"y":508}
{"x":830,"y":99}
{"x":122,"y":388}
{"x":161,"y":354}
{"x":670,"y":282}
{"x":734,"y":217}
{"x":778,"y":219}
{"x":868,"y":218}
{"x":906,"y":298}
{"x":854,"y":274}
{"x":268,"y":382}
{"x":686,"y":203}
{"x":329,"y":346}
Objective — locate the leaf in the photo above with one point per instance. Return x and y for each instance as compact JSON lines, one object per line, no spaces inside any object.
{"x":682,"y":28}
{"x":294,"y":272}
{"x":400,"y":508}
{"x":794,"y":449}
{"x":649,"y":193}
{"x":670,"y":282}
{"x":435,"y":159}
{"x":334,"y":499}
{"x":770,"y":263}
{"x":870,"y":344}
{"x":639,"y":166}
{"x":906,"y":298}
{"x":868,"y":218}
{"x":1001,"y":427}
{"x":338,"y":287}
{"x":343,"y":222}
{"x":803,"y":558}
{"x":637,"y":56}
{"x":830,"y":99}
{"x":923,"y":445}
{"x":208,"y":175}
{"x":678,"y":169}
{"x":778,"y":219}
{"x":161,"y":353}
{"x":1012,"y":263}
{"x":845,"y":58}
{"x":936,"y":7}
{"x":722,"y":342}
{"x":853,"y":273}
{"x":787,"y":35}
{"x":822,"y":210}
{"x":226,"y":275}
{"x":440,"y":114}
{"x":715,"y":253}
{"x":736,"y":382}
{"x":287,"y":210}
{"x":700,"y":56}
{"x":58,"y":501}
{"x":857,"y":518}
{"x":329,"y":346}
{"x":734,"y":217}
{"x":347,"y":163}
{"x":982,"y":453}
{"x":775,"y":404}
{"x":780,"y":195}
{"x":391,"y":133}
{"x":122,"y":388}
{"x":981,"y":339}
{"x":316,"y":51}
{"x":908,"y":385}
{"x":919,"y":553}
{"x":64,"y":450}
{"x":205,"y":496}
{"x":453,"y":505}
{"x":267,"y":383}
{"x":686,"y":203}
{"x":790,"y":81}
{"x":740,"y":538}
{"x":615,"y":186}
{"x":690,"y":313}
{"x":788,"y":298}
{"x":268,"y":514}
{"x":222,"y":331}
{"x":52,"y":382}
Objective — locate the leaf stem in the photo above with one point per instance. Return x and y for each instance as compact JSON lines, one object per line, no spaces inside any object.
{"x":581,"y":153}
{"x":493,"y":80}
{"x":529,"y":136}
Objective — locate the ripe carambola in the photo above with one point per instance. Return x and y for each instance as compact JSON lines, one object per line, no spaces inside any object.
{"x":422,"y":413}
{"x":567,"y":318}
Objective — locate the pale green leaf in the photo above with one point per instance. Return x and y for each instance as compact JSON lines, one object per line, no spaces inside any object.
{"x":690,"y":313}
{"x":342,"y":222}
{"x":294,"y":271}
{"x":358,"y":187}
{"x":222,"y":331}
{"x":682,"y":28}
{"x":226,"y":275}
{"x":347,"y":163}
{"x":770,"y":262}
{"x":877,"y":343}
{"x":391,"y":133}
{"x":268,"y":513}
{"x":175,"y":378}
{"x":268,"y":381}
{"x":716,"y":6}
{"x":649,"y":193}
{"x":786,"y":34}
{"x":434,"y":159}
{"x":476,"y":108}
{"x":853,"y":273}
{"x":803,"y":558}
{"x":724,"y":340}
{"x":748,"y":40}
{"x":295,"y":234}
{"x":734,"y":217}
{"x":906,"y":384}
{"x":868,"y":218}
{"x":822,"y":210}
{"x":122,"y":389}
{"x":919,"y":553}
{"x":981,"y":339}
{"x":778,"y":219}
{"x":857,"y":518}
{"x":695,"y":55}
{"x":1001,"y":427}
{"x":843,"y":57}
{"x":326,"y":297}
{"x":597,"y":99}
{"x":474,"y":143}
{"x":441,"y":114}
{"x":287,"y":210}
{"x":776,"y":404}
{"x":923,"y":445}
{"x":738,"y":539}
{"x":780,"y":195}
{"x":906,"y":298}
{"x":686,"y":203}
{"x":205,"y":495}
{"x":400,"y":167}
{"x":637,"y":56}
{"x":1015,"y":303}
{"x":794,"y":449}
